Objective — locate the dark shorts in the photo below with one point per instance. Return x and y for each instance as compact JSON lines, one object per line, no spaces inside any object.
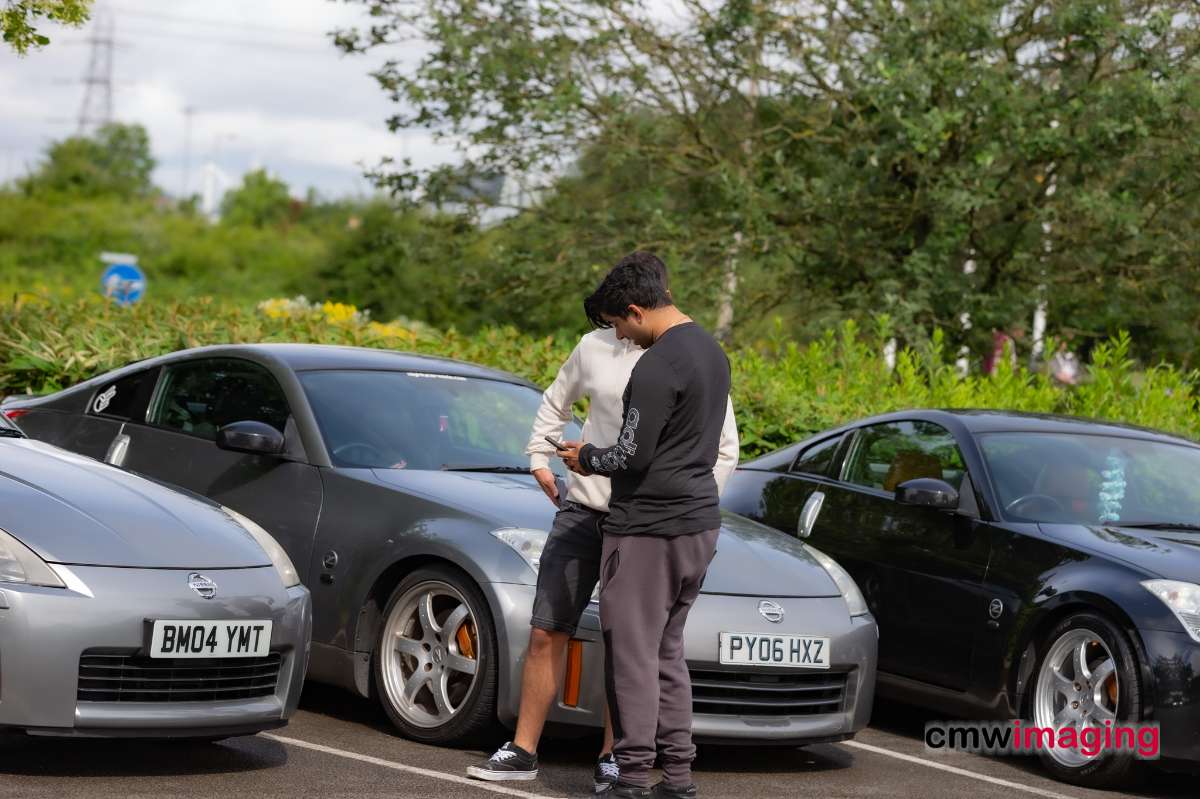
{"x":569,"y":568}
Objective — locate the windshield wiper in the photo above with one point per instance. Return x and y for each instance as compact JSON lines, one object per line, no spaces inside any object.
{"x":7,"y":433}
{"x":1158,"y":525}
{"x":483,"y":467}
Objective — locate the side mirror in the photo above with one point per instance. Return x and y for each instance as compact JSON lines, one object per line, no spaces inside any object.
{"x":928,"y":492}
{"x":255,"y":438}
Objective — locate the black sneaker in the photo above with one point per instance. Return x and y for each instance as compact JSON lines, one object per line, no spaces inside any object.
{"x":665,"y":791}
{"x":620,"y":790}
{"x":510,"y":762}
{"x":607,"y":772}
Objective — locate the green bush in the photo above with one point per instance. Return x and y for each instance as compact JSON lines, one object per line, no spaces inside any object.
{"x":52,"y":247}
{"x":783,"y":391}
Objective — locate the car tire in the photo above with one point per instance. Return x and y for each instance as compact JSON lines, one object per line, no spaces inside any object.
{"x":1107,"y":686}
{"x":420,"y":667}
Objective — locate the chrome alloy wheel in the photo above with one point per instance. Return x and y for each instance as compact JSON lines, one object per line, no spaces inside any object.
{"x":1077,"y":687}
{"x":430,"y":654}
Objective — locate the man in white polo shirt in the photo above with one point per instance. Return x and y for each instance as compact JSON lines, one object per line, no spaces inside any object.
{"x":599,"y":369}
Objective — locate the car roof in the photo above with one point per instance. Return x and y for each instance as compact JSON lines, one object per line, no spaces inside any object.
{"x":312,"y":357}
{"x":974,"y":421}
{"x":983,"y":420}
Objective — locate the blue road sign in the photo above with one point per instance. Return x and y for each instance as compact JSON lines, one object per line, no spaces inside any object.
{"x":124,"y":284}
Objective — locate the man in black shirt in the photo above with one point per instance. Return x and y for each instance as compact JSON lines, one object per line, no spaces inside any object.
{"x":661,"y":531}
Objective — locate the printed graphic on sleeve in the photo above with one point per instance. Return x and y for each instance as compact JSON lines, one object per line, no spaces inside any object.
{"x":626,"y":446}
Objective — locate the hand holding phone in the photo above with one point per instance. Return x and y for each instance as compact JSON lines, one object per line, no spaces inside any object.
{"x":558,"y":445}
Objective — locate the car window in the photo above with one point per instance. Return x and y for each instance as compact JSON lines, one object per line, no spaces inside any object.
{"x":885,"y":455}
{"x":126,"y":398}
{"x":1092,"y":479}
{"x":201,"y":397}
{"x":415,"y":420}
{"x":818,"y":458}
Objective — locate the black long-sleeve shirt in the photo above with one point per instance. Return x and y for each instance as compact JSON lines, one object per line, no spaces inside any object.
{"x":662,"y":465}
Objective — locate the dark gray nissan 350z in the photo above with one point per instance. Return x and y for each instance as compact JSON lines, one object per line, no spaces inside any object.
{"x":398,"y":485}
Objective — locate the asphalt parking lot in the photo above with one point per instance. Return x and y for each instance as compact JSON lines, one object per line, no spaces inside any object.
{"x":338,"y":745}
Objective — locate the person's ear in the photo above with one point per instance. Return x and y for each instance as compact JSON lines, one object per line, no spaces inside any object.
{"x":635,"y":314}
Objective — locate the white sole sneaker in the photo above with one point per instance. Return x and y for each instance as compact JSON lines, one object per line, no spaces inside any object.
{"x":500,"y":776}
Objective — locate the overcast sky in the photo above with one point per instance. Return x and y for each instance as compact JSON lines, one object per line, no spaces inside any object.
{"x":266,"y":84}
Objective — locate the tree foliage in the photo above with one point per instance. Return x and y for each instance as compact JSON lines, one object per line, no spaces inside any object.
{"x":919,"y":158}
{"x":19,"y":20}
{"x":115,"y":161}
{"x":260,"y":201}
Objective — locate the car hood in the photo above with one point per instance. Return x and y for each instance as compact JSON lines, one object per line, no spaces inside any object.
{"x":752,"y":559}
{"x":756,"y":560}
{"x":71,"y":509}
{"x":1174,"y":554}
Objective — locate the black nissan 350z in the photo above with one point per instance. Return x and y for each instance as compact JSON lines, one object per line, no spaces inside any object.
{"x":1020,"y":566}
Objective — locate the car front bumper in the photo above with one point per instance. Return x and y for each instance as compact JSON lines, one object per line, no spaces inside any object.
{"x":1174,"y":660}
{"x":834,"y":714}
{"x":44,"y":632}
{"x":853,"y":643}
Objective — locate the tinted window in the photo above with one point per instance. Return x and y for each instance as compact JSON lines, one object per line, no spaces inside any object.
{"x":200,"y":397}
{"x":406,"y":420}
{"x":818,"y":458}
{"x":1061,"y":477}
{"x":885,"y":455}
{"x":126,"y":398}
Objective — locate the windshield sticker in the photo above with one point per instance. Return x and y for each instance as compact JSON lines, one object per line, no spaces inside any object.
{"x":104,"y":399}
{"x":1112,"y":489}
{"x":435,"y":376}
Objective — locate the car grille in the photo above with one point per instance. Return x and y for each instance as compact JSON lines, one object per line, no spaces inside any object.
{"x":725,"y":693}
{"x":131,"y":678}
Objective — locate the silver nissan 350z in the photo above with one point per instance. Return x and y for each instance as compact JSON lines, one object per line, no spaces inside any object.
{"x":130,"y":609}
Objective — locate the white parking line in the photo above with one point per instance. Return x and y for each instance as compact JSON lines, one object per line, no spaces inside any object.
{"x":423,"y":772}
{"x":1016,"y":786}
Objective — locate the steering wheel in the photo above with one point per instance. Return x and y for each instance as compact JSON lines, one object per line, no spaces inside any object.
{"x":1055,"y":505}
{"x":373,"y":454}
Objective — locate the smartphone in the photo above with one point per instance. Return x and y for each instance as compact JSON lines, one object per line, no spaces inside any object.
{"x":558,"y":445}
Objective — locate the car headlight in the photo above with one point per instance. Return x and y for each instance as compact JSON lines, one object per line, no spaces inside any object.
{"x":529,"y":545}
{"x":279,"y":558}
{"x":845,"y":583}
{"x":526,"y":543}
{"x":20,"y":564}
{"x":1183,"y":599}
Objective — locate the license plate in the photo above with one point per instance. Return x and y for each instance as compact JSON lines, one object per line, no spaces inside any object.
{"x":210,"y":639}
{"x":792,"y":651}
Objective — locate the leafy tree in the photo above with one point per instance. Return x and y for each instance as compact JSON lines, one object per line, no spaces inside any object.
{"x":116,"y":160}
{"x":411,"y":263}
{"x":18,"y":20}
{"x":260,"y":201}
{"x":848,"y":157}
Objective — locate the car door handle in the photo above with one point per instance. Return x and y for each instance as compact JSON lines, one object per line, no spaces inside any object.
{"x":118,"y":450}
{"x":808,"y":516}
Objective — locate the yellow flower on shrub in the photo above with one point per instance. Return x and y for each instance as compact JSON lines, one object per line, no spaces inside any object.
{"x":340,"y":313}
{"x":392,"y":330}
{"x":276,"y":308}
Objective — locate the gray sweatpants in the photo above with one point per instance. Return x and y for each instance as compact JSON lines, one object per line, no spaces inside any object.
{"x":647,"y":586}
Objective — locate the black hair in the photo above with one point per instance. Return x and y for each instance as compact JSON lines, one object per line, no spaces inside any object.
{"x":639,"y":278}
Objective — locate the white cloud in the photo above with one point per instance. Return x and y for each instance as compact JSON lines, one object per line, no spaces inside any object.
{"x":266,"y":86}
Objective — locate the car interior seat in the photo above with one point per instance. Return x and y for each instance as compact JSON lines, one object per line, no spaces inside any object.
{"x":909,"y":465}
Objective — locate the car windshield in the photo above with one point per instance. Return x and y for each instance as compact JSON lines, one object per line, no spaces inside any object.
{"x":7,"y":430}
{"x":1093,"y":479}
{"x":417,"y":420}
